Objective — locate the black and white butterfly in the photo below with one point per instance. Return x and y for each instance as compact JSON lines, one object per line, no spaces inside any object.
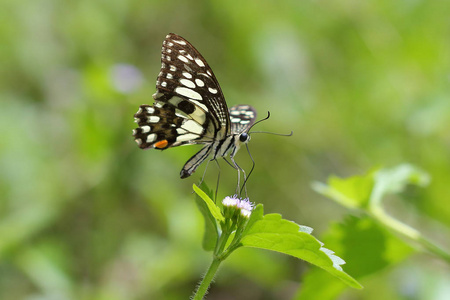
{"x":190,"y":109}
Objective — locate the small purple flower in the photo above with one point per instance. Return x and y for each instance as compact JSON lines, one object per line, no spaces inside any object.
{"x":242,"y":206}
{"x":230,"y":201}
{"x":246,"y":204}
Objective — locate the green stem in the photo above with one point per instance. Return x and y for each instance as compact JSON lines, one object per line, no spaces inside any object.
{"x":395,"y":225}
{"x":221,"y":242}
{"x":206,"y":281}
{"x":209,"y":276}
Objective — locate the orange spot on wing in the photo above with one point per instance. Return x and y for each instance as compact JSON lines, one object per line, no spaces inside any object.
{"x":161,"y":144}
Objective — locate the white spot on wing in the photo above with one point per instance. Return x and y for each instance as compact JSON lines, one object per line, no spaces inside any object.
{"x":139,"y":111}
{"x":170,"y":44}
{"x":189,"y":56}
{"x":199,"y":62}
{"x":212,"y":90}
{"x":180,"y":42}
{"x":173,"y":68}
{"x":138,"y":141}
{"x":181,"y":131}
{"x":188,"y":93}
{"x":153,"y":119}
{"x":145,"y":128}
{"x":187,"y":75}
{"x":183,"y":58}
{"x":163,"y":84}
{"x":187,"y":83}
{"x":150,"y":110}
{"x":235,"y":113}
{"x":169,"y":76}
{"x":192,"y":126}
{"x":186,"y":137}
{"x":151,"y":138}
{"x":199,"y":82}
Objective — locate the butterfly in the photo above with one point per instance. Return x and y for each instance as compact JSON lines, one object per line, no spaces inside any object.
{"x":190,"y":109}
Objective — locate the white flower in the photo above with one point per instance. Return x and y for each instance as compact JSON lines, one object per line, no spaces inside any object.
{"x":246,"y":213}
{"x":230,"y":201}
{"x":245,"y":204}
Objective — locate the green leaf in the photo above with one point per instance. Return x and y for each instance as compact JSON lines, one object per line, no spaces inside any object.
{"x":211,"y":231}
{"x":368,"y":248}
{"x":271,"y":232}
{"x":353,"y":192}
{"x":395,"y":180}
{"x":360,"y":191}
{"x":257,"y":214}
{"x":213,"y":208}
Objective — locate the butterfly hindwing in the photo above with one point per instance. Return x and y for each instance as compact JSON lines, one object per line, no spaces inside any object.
{"x":161,"y":127}
{"x":242,"y":118}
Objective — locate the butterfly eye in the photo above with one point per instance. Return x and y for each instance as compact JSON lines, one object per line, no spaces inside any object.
{"x":243,"y":137}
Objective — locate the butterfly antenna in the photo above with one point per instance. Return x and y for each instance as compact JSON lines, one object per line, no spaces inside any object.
{"x":280,"y":134}
{"x":253,"y":166}
{"x":266,"y":118}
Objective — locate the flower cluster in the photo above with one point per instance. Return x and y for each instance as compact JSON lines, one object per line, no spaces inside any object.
{"x":234,"y":205}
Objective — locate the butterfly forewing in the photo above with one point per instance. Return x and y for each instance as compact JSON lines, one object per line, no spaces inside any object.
{"x":186,"y":75}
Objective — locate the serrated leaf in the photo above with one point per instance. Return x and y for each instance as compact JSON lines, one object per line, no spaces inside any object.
{"x":368,"y":248}
{"x":210,"y":235}
{"x":271,"y":232}
{"x":213,"y":208}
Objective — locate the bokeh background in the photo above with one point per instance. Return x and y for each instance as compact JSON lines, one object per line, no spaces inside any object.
{"x":85,"y":214}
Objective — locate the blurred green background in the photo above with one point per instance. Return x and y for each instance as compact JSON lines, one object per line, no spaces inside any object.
{"x":85,"y":214}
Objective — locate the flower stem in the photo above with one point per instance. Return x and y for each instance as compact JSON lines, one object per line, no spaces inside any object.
{"x":401,"y":228}
{"x":207,"y":279}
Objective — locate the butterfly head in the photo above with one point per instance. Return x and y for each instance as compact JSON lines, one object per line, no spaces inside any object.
{"x":244,"y":137}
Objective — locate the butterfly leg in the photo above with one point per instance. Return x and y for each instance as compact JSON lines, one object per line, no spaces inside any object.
{"x":234,"y":166}
{"x":244,"y":186}
{"x":218,"y":180}
{"x":204,"y":173}
{"x":239,"y":169}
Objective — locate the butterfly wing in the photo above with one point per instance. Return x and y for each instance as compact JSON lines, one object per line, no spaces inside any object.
{"x":242,"y":117}
{"x":189,"y":104}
